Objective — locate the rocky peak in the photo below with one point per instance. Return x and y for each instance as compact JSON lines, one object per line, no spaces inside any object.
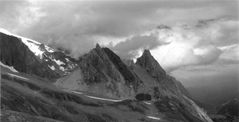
{"x":97,"y":46}
{"x":147,"y":53}
{"x":99,"y":51}
{"x":148,"y":62}
{"x":101,"y":66}
{"x":42,"y":47}
{"x":163,"y":27}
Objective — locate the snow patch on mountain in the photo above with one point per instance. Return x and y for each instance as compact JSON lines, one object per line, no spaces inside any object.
{"x":104,"y":99}
{"x":17,"y":76}
{"x":62,"y":68}
{"x":33,"y":45}
{"x":8,"y":67}
{"x":148,"y":103}
{"x":76,"y":92}
{"x":58,"y":62}
{"x":152,"y":117}
{"x":52,"y":67}
{"x":49,"y":49}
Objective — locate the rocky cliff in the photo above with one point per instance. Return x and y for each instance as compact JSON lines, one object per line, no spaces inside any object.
{"x":147,"y":62}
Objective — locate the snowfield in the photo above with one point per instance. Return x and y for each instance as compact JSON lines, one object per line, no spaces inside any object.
{"x":148,"y":103}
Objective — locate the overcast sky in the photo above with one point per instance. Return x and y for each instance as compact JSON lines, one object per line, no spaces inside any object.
{"x":179,"y":33}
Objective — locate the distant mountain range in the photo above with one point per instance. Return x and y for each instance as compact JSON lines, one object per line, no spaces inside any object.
{"x":40,"y":83}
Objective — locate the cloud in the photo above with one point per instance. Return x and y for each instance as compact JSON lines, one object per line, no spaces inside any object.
{"x":78,"y":25}
{"x":130,"y":47}
{"x":181,"y":45}
{"x":197,"y":45}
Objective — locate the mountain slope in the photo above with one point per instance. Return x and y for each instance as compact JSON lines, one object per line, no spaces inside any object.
{"x":227,"y":112}
{"x":165,"y":88}
{"x":26,"y":98}
{"x":32,"y":57}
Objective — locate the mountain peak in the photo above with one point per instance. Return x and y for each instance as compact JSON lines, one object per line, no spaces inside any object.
{"x":146,"y":53}
{"x":97,"y":45}
{"x":148,"y":62}
{"x":163,"y":27}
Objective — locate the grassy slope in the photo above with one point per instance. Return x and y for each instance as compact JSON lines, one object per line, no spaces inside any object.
{"x":38,"y":98}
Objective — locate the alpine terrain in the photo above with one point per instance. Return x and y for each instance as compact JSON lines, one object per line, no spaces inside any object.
{"x":42,"y":84}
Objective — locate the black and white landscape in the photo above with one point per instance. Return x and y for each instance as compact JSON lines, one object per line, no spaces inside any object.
{"x":119,"y":61}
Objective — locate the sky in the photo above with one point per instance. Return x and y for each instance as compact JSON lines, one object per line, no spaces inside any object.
{"x":181,"y":34}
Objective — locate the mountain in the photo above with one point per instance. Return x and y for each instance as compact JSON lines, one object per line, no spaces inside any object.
{"x":32,"y":57}
{"x":97,"y":87}
{"x":101,"y":71}
{"x":227,"y":112}
{"x":230,"y":108}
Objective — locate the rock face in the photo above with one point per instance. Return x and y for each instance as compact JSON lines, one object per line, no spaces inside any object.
{"x":167,"y":91}
{"x":103,"y":72}
{"x":151,"y":65}
{"x":155,"y":78}
{"x":17,"y":54}
{"x":32,"y":57}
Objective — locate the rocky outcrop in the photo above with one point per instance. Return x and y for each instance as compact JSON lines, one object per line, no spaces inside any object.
{"x":129,"y":76}
{"x":151,"y":65}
